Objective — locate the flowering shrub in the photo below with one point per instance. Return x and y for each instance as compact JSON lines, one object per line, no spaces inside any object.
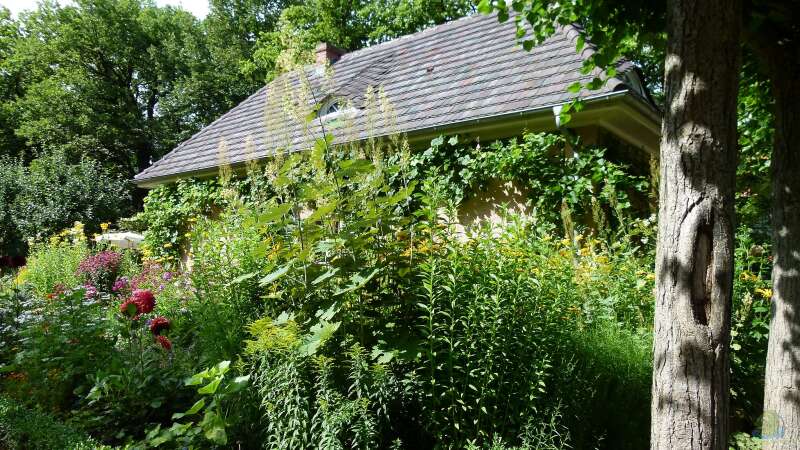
{"x":100,"y":269}
{"x":121,"y":285}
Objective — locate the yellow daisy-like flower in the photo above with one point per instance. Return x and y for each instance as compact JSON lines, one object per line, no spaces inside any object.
{"x":747,"y":276}
{"x":766,"y":293}
{"x":168,"y":245}
{"x":104,"y":226}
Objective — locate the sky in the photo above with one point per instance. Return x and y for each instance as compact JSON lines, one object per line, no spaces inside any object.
{"x":197,"y":7}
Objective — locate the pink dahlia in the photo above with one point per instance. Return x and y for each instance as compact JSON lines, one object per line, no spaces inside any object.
{"x":165,"y":342}
{"x":159,"y":324}
{"x":144,"y":299}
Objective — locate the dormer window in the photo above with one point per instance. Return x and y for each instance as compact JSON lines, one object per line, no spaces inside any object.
{"x":331,"y":107}
{"x":334,"y":107}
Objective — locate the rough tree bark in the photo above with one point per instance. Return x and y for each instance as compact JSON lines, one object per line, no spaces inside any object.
{"x":694,"y":266}
{"x":781,"y":427}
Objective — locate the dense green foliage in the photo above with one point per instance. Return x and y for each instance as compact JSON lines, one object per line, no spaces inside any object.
{"x":122,"y":82}
{"x":328,"y":299}
{"x":52,"y":193}
{"x":362,"y":316}
{"x":30,"y":429}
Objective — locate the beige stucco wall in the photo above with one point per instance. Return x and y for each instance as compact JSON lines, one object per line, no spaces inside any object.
{"x":488,"y":206}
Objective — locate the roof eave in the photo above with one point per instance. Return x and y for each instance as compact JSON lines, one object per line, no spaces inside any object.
{"x":598,"y":110}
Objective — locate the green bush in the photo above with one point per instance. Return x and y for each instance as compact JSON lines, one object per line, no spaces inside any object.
{"x":11,"y":175}
{"x":170,"y":211}
{"x":57,"y":192}
{"x":23,"y":428}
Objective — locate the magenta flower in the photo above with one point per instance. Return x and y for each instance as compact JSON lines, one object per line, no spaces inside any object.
{"x":122,"y":283}
{"x":89,"y":291}
{"x":103,"y":262}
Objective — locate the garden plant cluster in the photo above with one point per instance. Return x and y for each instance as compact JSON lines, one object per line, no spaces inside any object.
{"x":329,"y":300}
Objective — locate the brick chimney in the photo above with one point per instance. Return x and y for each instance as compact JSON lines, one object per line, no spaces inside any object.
{"x":327,"y":53}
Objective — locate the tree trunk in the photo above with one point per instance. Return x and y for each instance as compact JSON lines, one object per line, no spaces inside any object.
{"x":694,"y":264}
{"x":781,"y":424}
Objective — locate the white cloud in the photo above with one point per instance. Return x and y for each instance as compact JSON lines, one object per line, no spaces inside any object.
{"x":197,"y":7}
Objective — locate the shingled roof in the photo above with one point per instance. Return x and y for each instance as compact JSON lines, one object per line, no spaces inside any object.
{"x":466,"y":70}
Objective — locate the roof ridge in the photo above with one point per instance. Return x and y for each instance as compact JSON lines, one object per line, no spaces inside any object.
{"x":415,"y":34}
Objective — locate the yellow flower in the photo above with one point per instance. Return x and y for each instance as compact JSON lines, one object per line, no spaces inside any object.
{"x":747,"y":276}
{"x":21,"y":276}
{"x":104,"y":226}
{"x":766,"y":293}
{"x":168,"y":245}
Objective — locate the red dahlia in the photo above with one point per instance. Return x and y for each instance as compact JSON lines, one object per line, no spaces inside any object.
{"x":165,"y":342}
{"x":129,"y":308}
{"x":159,"y":324}
{"x":144,"y":299}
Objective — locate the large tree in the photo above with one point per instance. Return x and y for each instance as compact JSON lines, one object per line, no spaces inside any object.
{"x":694,"y":264}
{"x":696,"y":199}
{"x":774,"y":34}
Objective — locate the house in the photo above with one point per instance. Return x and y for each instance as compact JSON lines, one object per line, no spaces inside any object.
{"x":465,"y":77}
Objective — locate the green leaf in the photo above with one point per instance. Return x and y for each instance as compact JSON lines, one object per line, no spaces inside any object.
{"x":528,"y":45}
{"x":241,"y":278}
{"x":579,"y":43}
{"x":210,"y":388}
{"x":485,"y":7}
{"x":357,"y":281}
{"x":319,"y":334}
{"x":193,"y":410}
{"x":274,"y":213}
{"x":322,"y":211}
{"x":196,"y":379}
{"x":330,"y":272}
{"x":214,"y":428}
{"x":574,"y":87}
{"x":275,"y":275}
{"x":222,"y":367}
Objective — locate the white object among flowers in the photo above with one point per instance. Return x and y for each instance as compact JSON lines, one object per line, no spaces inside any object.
{"x":124,"y":239}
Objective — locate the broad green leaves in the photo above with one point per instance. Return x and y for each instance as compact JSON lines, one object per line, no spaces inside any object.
{"x":215,"y":387}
